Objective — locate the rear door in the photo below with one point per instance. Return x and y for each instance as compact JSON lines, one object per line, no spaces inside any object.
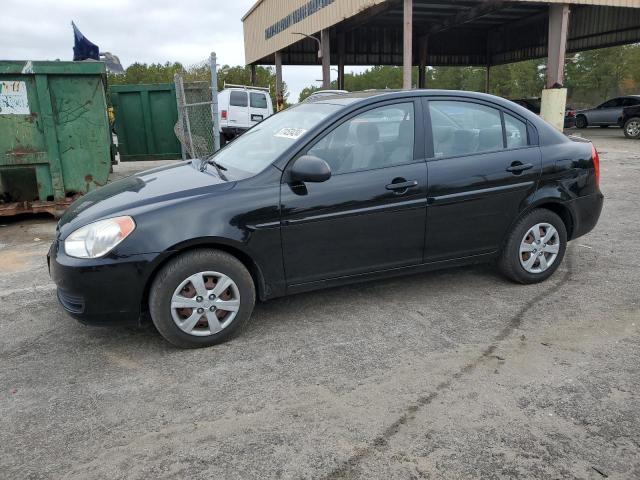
{"x":482,"y":167}
{"x":238,"y":109}
{"x":258,"y":109}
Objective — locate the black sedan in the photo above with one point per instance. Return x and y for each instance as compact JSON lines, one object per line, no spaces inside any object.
{"x":331,"y":192}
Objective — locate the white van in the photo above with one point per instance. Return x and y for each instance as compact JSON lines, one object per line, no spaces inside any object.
{"x":241,"y":107}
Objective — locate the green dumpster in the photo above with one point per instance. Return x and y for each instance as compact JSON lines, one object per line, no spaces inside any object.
{"x":55,"y":140}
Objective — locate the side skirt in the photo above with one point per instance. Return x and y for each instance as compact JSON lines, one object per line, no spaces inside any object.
{"x":395,"y":272}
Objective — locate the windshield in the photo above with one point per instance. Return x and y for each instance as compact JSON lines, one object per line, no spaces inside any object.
{"x":263,"y":144}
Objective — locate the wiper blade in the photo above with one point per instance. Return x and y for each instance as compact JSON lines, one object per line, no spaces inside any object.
{"x":219,"y":168}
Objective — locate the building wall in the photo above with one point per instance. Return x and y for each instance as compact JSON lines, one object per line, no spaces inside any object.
{"x":267,"y":13}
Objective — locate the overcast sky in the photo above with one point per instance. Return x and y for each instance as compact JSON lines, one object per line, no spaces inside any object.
{"x":136,"y":30}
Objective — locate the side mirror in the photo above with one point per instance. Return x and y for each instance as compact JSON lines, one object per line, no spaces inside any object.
{"x":309,"y":168}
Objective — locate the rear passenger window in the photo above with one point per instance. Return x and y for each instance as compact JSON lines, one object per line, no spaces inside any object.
{"x":463,"y":128}
{"x":258,"y":100}
{"x":238,"y":99}
{"x":516,"y":132}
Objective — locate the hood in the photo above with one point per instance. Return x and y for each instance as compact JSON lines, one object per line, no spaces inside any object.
{"x":140,"y":192}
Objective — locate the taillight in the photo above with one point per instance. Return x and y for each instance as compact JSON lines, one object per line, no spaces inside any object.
{"x":596,"y":163}
{"x":571,"y":113}
{"x":223,"y":114}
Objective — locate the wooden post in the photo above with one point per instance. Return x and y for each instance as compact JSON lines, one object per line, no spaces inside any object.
{"x":254,"y":76}
{"x":407,"y":47}
{"x":326,"y":58}
{"x":558,"y":27}
{"x":422,"y":69}
{"x":279,"y":93}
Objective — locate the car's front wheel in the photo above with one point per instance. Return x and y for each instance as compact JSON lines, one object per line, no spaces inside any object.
{"x":581,"y":121}
{"x":632,"y":128}
{"x":201,"y":298}
{"x":534,"y":248}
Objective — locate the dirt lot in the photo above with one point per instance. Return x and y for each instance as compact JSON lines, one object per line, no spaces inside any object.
{"x":454,"y":374}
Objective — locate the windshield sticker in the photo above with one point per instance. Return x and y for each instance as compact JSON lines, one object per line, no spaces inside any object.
{"x":292,"y":133}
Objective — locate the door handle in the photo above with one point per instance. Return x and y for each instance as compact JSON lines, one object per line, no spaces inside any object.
{"x":402,"y":185}
{"x":517,"y":167}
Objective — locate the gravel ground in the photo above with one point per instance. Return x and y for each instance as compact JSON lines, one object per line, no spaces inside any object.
{"x":452,"y":374}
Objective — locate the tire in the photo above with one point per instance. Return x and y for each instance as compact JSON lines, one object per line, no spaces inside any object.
{"x":223,"y":140}
{"x":632,"y":128}
{"x":581,"y":122}
{"x":212,"y":267}
{"x":511,"y":259}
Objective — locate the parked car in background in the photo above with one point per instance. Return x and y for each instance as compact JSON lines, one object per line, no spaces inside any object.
{"x":630,"y":121}
{"x":352,"y":188}
{"x":534,"y":105}
{"x":325,"y":93}
{"x":606,"y":114}
{"x":240,"y":107}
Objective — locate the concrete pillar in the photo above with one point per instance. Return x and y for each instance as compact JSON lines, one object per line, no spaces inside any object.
{"x":554,"y":97}
{"x":341,"y":54}
{"x":422,"y":69}
{"x":279,"y":92}
{"x":326,"y":58}
{"x":558,"y":28}
{"x":407,"y":46}
{"x":254,"y":76}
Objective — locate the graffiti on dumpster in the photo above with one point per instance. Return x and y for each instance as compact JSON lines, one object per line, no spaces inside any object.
{"x":13,"y":98}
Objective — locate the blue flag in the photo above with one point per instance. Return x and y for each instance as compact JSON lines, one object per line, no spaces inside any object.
{"x":83,"y":48}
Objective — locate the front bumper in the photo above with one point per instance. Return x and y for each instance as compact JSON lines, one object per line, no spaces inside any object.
{"x":103,"y":291}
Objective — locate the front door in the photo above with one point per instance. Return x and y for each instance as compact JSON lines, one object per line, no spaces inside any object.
{"x":607,"y":113}
{"x":482,"y":169}
{"x":370,"y":215}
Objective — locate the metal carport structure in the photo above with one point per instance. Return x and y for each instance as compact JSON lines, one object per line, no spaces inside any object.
{"x":433,"y":32}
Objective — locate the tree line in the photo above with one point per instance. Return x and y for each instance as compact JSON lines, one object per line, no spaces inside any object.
{"x":142,"y":73}
{"x":591,"y":76}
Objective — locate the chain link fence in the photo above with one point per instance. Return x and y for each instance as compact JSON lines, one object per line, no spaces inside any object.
{"x":197,"y":114}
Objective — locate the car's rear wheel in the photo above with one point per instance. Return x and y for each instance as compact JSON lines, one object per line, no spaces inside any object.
{"x":581,"y":121}
{"x":632,"y":128}
{"x":534,"y":248}
{"x":201,"y":298}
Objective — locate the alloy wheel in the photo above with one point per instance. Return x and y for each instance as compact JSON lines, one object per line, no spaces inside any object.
{"x":633,"y":128}
{"x":539,"y":248}
{"x":205,"y":303}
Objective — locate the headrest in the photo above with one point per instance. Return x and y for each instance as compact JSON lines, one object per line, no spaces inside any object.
{"x":405,"y":132}
{"x":367,"y":133}
{"x":490,"y":138}
{"x":442,"y":134}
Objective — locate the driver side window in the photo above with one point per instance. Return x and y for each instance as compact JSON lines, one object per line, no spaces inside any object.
{"x":378,"y":138}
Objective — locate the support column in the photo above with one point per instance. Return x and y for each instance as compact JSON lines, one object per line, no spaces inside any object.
{"x":407,"y":46}
{"x":341,"y":53}
{"x":488,"y":50}
{"x":422,"y":69}
{"x":487,"y":78}
{"x":558,"y":28}
{"x":279,"y":93}
{"x":326,"y":58}
{"x":554,"y":97}
{"x":254,"y":76}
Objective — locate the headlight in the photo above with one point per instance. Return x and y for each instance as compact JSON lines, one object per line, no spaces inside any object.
{"x":98,"y":238}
